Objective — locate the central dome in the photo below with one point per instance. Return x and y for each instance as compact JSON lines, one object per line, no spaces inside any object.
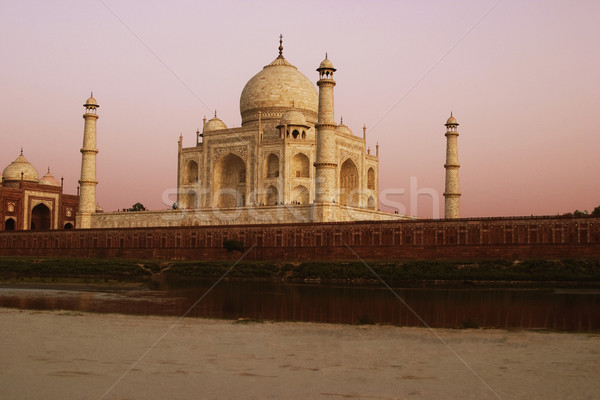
{"x":276,"y":89}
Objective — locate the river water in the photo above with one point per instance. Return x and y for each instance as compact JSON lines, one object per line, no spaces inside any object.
{"x":548,"y":308}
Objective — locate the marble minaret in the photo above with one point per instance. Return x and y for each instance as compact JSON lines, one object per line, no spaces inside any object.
{"x":326,"y":163}
{"x":451,"y":192}
{"x":88,"y":182}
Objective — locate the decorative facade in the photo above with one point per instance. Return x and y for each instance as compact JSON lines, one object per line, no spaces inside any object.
{"x":28,"y":202}
{"x":288,"y":151}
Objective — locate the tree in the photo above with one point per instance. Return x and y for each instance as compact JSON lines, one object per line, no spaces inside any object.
{"x":137,"y":207}
{"x":596,"y":211}
{"x":578,"y":213}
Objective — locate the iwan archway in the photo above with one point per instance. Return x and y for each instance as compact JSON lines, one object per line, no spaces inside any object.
{"x":349,"y":184}
{"x":229,"y":182}
{"x":40,"y":217}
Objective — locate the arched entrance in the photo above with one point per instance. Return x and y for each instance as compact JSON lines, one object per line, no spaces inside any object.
{"x":68,"y":225}
{"x":349,"y":184}
{"x":40,"y":217}
{"x":272,"y":166}
{"x":10,"y":224}
{"x":229,"y":182}
{"x":300,"y":195}
{"x":371,"y":203}
{"x":271,"y":196}
{"x":191,"y":172}
{"x":371,"y":179}
{"x":300,"y":166}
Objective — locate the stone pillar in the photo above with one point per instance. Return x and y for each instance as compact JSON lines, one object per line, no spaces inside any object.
{"x":88,"y":182}
{"x":326,"y":160}
{"x":451,"y":192}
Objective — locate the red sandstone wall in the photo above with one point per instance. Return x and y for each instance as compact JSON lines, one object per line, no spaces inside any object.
{"x":465,"y":239}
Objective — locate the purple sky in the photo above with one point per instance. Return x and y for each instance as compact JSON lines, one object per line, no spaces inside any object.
{"x":522,"y":78}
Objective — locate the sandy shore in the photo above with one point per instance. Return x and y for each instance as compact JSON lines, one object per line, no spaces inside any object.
{"x":72,"y":355}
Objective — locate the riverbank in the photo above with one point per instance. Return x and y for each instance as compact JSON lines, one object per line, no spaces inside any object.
{"x":395,"y":273}
{"x":64,"y":354}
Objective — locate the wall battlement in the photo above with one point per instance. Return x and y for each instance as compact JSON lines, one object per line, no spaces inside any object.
{"x":460,"y":239}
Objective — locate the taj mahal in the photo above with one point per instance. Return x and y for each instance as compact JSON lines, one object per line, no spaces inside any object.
{"x":288,"y":162}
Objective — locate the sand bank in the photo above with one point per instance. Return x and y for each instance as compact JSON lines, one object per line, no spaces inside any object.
{"x":72,"y":355}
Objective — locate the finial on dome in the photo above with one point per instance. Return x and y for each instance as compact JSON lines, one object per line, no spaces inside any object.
{"x":92,"y":93}
{"x":48,"y":169}
{"x":280,"y":45}
{"x":215,"y":113}
{"x":21,"y":150}
{"x":341,"y":120}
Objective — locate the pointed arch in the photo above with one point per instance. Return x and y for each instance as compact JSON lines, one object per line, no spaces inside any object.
{"x":10,"y":224}
{"x":349,"y":184}
{"x":371,"y":179}
{"x":229,"y":182}
{"x":191,"y":172}
{"x":272,"y":166}
{"x":371,"y":204}
{"x":300,"y":166}
{"x":271,"y":196}
{"x":300,"y":195}
{"x":40,"y":217}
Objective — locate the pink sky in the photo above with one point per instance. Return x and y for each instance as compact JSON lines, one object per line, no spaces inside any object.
{"x":522,"y":80}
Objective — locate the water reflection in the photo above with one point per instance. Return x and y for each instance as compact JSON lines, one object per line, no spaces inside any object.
{"x":569,"y":310}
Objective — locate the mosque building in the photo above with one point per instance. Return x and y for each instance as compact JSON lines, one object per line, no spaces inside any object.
{"x":28,"y":202}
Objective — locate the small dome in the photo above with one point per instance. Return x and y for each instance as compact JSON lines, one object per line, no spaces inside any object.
{"x":91,"y":102}
{"x":293,"y":117}
{"x":326,"y":64}
{"x":214,"y":124}
{"x":13,"y":171}
{"x":99,"y":209}
{"x":341,"y":128}
{"x":451,"y":120}
{"x":49,"y":179}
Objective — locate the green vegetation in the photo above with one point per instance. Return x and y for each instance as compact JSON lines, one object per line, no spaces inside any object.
{"x":585,"y":213}
{"x":137,"y":207}
{"x":393,"y":273}
{"x":27,"y":268}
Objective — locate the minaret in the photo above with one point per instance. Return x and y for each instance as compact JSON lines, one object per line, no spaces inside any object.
{"x":451,"y":193}
{"x":88,"y":182}
{"x":326,"y":162}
